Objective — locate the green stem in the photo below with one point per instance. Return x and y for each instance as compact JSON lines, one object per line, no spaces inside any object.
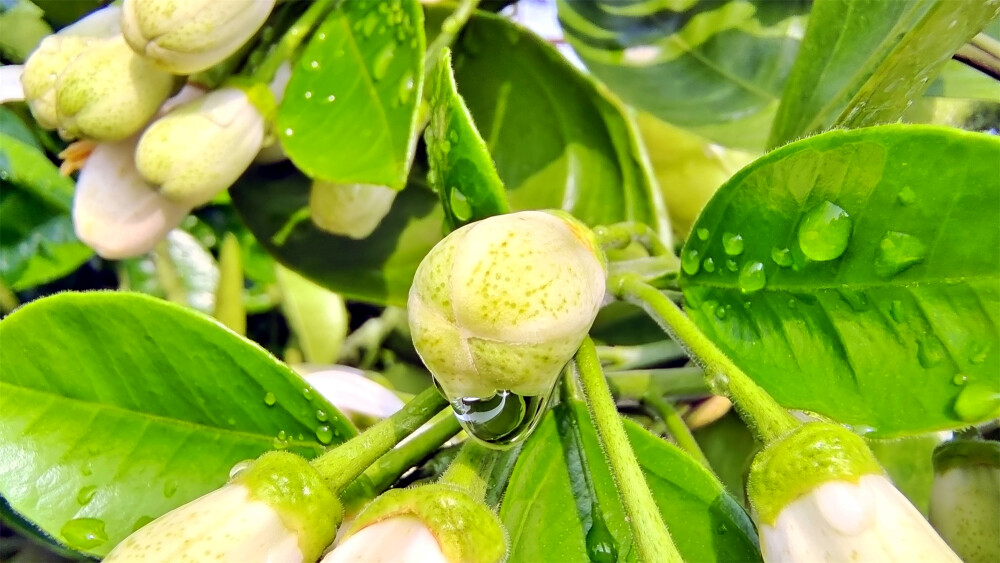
{"x":392,"y":465}
{"x":620,"y":235}
{"x":344,"y":463}
{"x":676,"y":426}
{"x":449,"y":30}
{"x":636,"y":384}
{"x":291,"y":40}
{"x":769,"y":419}
{"x":472,"y":468}
{"x":639,"y":356}
{"x":649,"y":532}
{"x":652,"y":268}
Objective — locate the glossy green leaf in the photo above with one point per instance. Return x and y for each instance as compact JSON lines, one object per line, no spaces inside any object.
{"x":186,"y":272}
{"x":863,"y":63}
{"x":557,"y":143}
{"x":461,"y":169}
{"x":13,"y":126}
{"x":857,"y":276}
{"x":118,"y":407}
{"x":548,"y":485}
{"x":712,"y":66}
{"x":349,"y":114}
{"x":23,"y":28}
{"x":37,"y":240}
{"x":316,"y":315}
{"x":729,"y":446}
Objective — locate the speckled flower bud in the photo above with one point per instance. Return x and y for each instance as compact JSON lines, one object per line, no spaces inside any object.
{"x":188,"y":36}
{"x":108,"y":92}
{"x":202,"y":147}
{"x":280,"y":509}
{"x":351,"y":210}
{"x":965,"y":498}
{"x":818,"y":494}
{"x":504,"y":303}
{"x":436,"y":523}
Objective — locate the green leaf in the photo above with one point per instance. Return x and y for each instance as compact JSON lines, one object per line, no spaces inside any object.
{"x":548,"y":485}
{"x":186,"y":272}
{"x":856,"y":275}
{"x":863,"y":63}
{"x":461,"y":169}
{"x":37,"y":240}
{"x":349,"y":114}
{"x":317,"y":316}
{"x":229,"y":307}
{"x":23,"y":29}
{"x":557,"y":143}
{"x":714,"y":67}
{"x":118,"y":407}
{"x":729,"y":446}
{"x":13,"y":126}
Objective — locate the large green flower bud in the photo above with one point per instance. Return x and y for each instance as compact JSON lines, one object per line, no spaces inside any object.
{"x":188,"y":36}
{"x":202,"y":147}
{"x":108,"y":92}
{"x":504,"y":303}
{"x":965,"y":498}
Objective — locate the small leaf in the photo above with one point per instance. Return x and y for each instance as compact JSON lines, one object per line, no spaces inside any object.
{"x":349,"y":114}
{"x":229,"y":308}
{"x":186,"y":273}
{"x":316,"y":315}
{"x":879,"y":277}
{"x":461,"y":169}
{"x":118,"y":407}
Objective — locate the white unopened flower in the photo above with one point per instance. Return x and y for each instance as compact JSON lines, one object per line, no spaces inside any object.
{"x":188,"y":36}
{"x":351,"y":210}
{"x":278,"y":510}
{"x":354,"y":394}
{"x":202,"y":147}
{"x":11,"y":89}
{"x":819,"y":495}
{"x":965,"y":498}
{"x":504,"y":303}
{"x":436,"y":523}
{"x":107,"y":92}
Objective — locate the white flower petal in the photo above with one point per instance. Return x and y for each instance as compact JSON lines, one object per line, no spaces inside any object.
{"x":353,"y":393}
{"x":10,"y":84}
{"x":401,"y":539}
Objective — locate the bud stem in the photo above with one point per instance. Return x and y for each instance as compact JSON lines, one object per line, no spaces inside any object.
{"x":620,"y":235}
{"x":344,"y":463}
{"x":293,"y":37}
{"x":636,"y":384}
{"x":768,"y":419}
{"x":677,"y":427}
{"x":472,"y":468}
{"x":652,"y":539}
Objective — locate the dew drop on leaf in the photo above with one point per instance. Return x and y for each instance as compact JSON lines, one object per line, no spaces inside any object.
{"x":977,"y":401}
{"x":732,"y":244}
{"x":380,"y":66}
{"x":84,"y":533}
{"x":978,"y":354}
{"x":307,"y":393}
{"x":897,"y":252}
{"x":781,"y":257}
{"x":709,"y":265}
{"x":86,"y":470}
{"x":855,"y":299}
{"x":280,"y":441}
{"x":324,"y":434}
{"x":702,"y":233}
{"x":321,"y":415}
{"x":731,"y":265}
{"x":720,"y":312}
{"x":906,"y":195}
{"x":460,"y":205}
{"x":824,"y":232}
{"x":752,"y":277}
{"x":169,"y":489}
{"x":929,"y":352}
{"x":85,"y":495}
{"x":406,"y":86}
{"x":896,"y":311}
{"x":691,"y":261}
{"x":959,"y":379}
{"x":270,"y":399}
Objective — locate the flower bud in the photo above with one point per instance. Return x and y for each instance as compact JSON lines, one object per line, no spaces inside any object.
{"x":202,"y":147}
{"x":279,"y":509}
{"x":437,"y":523}
{"x":965,"y":498}
{"x":355,"y":396}
{"x":108,"y":92}
{"x":351,"y":210}
{"x":818,"y":494}
{"x":504,"y":303}
{"x":188,"y":36}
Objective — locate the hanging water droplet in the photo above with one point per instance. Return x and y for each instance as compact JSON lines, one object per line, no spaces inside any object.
{"x":85,"y":495}
{"x":280,"y":441}
{"x":239,"y":467}
{"x":978,"y":401}
{"x":500,"y":420}
{"x":321,"y":415}
{"x":897,"y":252}
{"x":314,"y":65}
{"x":330,"y":98}
{"x":732,"y":244}
{"x":960,"y":379}
{"x":289,"y":132}
{"x":752,"y":277}
{"x":781,"y":256}
{"x":380,"y":66}
{"x":824,"y":232}
{"x":459,"y":205}
{"x":731,"y":265}
{"x":709,"y":265}
{"x":169,"y":489}
{"x":906,"y":195}
{"x":601,"y":546}
{"x":406,"y":86}
{"x":324,"y":434}
{"x":691,"y":261}
{"x":307,"y":393}
{"x":308,"y":95}
{"x":721,"y":311}
{"x":929,"y":352}
{"x":896,"y":311}
{"x":702,"y":233}
{"x":270,"y":399}
{"x":84,"y":533}
{"x":855,"y":299}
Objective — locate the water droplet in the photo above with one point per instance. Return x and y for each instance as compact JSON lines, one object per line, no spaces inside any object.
{"x":239,"y":467}
{"x":702,"y":233}
{"x":84,"y":533}
{"x":601,"y":546}
{"x":896,"y":311}
{"x":231,"y":421}
{"x":960,"y":379}
{"x":979,"y":354}
{"x":501,"y":420}
{"x":732,"y":244}
{"x":330,"y":98}
{"x":289,"y":132}
{"x":141,"y":521}
{"x":824,"y":232}
{"x":307,"y":95}
{"x":897,"y":252}
{"x":709,"y":265}
{"x":321,"y":36}
{"x":307,"y":393}
{"x":321,"y":415}
{"x":691,"y":261}
{"x":459,"y":205}
{"x":86,"y":470}
{"x":855,"y":299}
{"x":406,"y":86}
{"x":86,"y":494}
{"x":721,"y":311}
{"x":280,"y":441}
{"x":781,"y":256}
{"x":752,"y":277}
{"x":930,"y":352}
{"x":324,"y":434}
{"x":270,"y":399}
{"x":370,"y":23}
{"x":314,"y":65}
{"x":722,"y":529}
{"x":380,"y":66}
{"x":978,"y":401}
{"x":906,"y":195}
{"x":731,"y":265}
{"x":169,"y":489}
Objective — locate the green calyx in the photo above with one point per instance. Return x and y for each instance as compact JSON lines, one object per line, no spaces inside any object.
{"x":300,"y":495}
{"x":258,"y":94}
{"x":966,"y":453}
{"x":466,"y":530}
{"x":802,"y":460}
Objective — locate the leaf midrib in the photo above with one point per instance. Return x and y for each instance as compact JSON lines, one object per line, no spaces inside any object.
{"x":866,"y":286}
